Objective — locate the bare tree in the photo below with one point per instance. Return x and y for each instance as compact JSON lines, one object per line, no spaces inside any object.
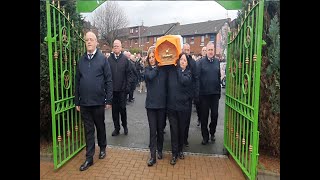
{"x":108,"y":19}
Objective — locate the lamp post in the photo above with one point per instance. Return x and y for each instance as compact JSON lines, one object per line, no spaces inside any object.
{"x":139,"y":37}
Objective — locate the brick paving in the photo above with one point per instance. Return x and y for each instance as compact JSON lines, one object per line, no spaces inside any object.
{"x":127,"y":155}
{"x":125,"y":163}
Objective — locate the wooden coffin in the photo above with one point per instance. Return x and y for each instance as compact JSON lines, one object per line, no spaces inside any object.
{"x":167,"y":50}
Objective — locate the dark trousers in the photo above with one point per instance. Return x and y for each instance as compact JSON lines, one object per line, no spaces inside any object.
{"x":132,"y":88}
{"x":156,"y":119}
{"x":197,"y":104}
{"x":119,"y":107}
{"x":93,"y":116}
{"x":186,"y":131}
{"x":165,"y":119}
{"x":208,"y":102}
{"x":177,"y":120}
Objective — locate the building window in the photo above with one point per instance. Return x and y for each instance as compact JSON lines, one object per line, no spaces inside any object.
{"x":192,"y":40}
{"x":131,"y":31}
{"x":135,"y":41}
{"x":184,"y":40}
{"x":136,"y":29}
{"x":154,"y":39}
{"x":148,"y":39}
{"x":212,"y":37}
{"x":202,"y":41}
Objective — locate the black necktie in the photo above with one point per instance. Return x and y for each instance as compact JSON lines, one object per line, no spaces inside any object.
{"x":90,"y":56}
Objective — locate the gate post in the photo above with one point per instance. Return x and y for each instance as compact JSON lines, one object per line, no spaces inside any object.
{"x":257,"y":89}
{"x":49,"y":40}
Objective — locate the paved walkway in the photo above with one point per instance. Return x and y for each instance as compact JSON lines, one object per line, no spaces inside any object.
{"x":201,"y":162}
{"x":124,"y":163}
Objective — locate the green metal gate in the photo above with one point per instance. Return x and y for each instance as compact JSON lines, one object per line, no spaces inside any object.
{"x":241,"y":135}
{"x":65,"y":46}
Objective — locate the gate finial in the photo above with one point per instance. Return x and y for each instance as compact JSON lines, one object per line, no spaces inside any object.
{"x":249,"y":7}
{"x":52,"y":2}
{"x":58,"y":4}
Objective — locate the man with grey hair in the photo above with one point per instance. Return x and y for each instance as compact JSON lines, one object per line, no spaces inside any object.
{"x":208,"y":68}
{"x":93,"y":94}
{"x":121,"y":78}
{"x":196,"y":103}
{"x":127,"y":54}
{"x":135,"y":77}
{"x":203,"y":51}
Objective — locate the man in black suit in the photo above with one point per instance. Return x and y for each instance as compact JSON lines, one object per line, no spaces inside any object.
{"x":121,"y":79}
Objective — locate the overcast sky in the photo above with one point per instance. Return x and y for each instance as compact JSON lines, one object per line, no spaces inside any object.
{"x":164,"y":12}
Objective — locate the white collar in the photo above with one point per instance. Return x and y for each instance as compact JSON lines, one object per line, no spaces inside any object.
{"x":94,"y":52}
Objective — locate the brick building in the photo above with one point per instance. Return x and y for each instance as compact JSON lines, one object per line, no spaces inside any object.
{"x":142,"y":37}
{"x":195,"y":34}
{"x":199,"y":34}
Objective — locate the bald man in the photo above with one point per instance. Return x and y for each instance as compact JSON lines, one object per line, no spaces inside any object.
{"x":121,"y":79}
{"x":93,"y":94}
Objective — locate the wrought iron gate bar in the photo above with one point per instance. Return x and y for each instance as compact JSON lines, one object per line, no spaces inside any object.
{"x":65,"y":46}
{"x":242,"y":90}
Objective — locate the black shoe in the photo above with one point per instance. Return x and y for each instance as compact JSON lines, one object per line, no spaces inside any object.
{"x":213,"y":139}
{"x":115,"y":133}
{"x":102,"y":154}
{"x":125,"y":130}
{"x":151,"y":161}
{"x":160,"y":156}
{"x":164,"y":132}
{"x":181,"y":155}
{"x":198,"y":123}
{"x":86,"y":165}
{"x":173,"y":160}
{"x":186,"y":144}
{"x":204,"y":142}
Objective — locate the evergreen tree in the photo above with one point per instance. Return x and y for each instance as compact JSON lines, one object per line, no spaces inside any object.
{"x":45,"y":104}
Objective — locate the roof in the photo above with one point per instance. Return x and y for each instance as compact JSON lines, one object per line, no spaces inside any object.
{"x":158,"y":30}
{"x":123,"y":32}
{"x":206,"y":27}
